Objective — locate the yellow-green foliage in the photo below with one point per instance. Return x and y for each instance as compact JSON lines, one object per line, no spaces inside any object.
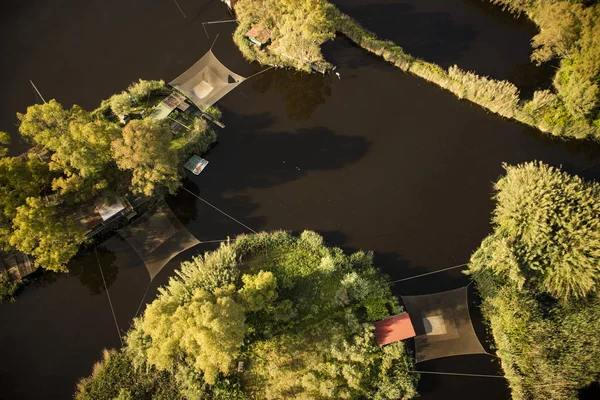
{"x":297,"y":29}
{"x":296,"y":312}
{"x":538,"y":276}
{"x":113,"y":377}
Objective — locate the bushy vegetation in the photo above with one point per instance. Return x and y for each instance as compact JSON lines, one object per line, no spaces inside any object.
{"x":538,"y":276}
{"x":8,"y":287}
{"x":548,"y":111}
{"x":297,"y":29}
{"x":271,"y":316}
{"x":113,"y":377}
{"x":80,"y":156}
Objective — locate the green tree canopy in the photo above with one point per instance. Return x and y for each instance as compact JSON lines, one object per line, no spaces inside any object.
{"x":19,"y":179}
{"x":297,"y":27}
{"x":144,"y":149}
{"x":548,"y":230}
{"x":42,"y":233}
{"x":538,"y":276}
{"x":120,"y":103}
{"x":4,"y":141}
{"x":299,"y":330}
{"x":142,"y":89}
{"x":45,"y":124}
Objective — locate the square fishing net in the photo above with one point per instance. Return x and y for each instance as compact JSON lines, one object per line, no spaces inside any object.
{"x":157,"y":237}
{"x":442,"y":324}
{"x":207,"y":81}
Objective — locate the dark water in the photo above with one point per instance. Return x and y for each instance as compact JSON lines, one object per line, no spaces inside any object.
{"x":473,"y":34}
{"x":378,"y":160}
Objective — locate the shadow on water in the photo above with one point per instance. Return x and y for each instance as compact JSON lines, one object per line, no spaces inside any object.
{"x":85,"y":268}
{"x":302,"y":92}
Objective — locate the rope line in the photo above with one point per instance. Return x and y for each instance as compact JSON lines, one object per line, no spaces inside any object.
{"x":142,"y":301}
{"x":219,"y":210}
{"x":457,"y":374}
{"x":182,"y":13}
{"x":108,"y":296}
{"x":219,"y":22}
{"x":214,"y":41}
{"x":260,"y":72}
{"x":428,"y":273}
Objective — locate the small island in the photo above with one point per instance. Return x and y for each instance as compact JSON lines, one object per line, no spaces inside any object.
{"x":266,"y":316}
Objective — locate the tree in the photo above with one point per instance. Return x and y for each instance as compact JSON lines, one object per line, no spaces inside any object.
{"x":4,"y":141}
{"x":84,"y":157}
{"x":144,"y":150}
{"x":120,"y":103}
{"x":259,"y":290}
{"x":550,"y":225}
{"x":560,"y":24}
{"x":114,"y":377}
{"x":205,"y":332}
{"x":40,"y":232}
{"x":545,"y":244}
{"x":45,"y":124}
{"x":298,"y":27}
{"x":19,"y":179}
{"x":142,"y":89}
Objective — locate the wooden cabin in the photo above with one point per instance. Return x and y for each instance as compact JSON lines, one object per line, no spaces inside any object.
{"x":259,"y":35}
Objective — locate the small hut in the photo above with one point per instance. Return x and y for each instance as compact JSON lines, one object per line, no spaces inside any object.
{"x":259,"y":35}
{"x":393,"y":329}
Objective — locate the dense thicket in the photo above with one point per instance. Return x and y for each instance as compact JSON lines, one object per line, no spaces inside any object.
{"x":569,"y":30}
{"x":297,"y":28}
{"x":114,"y":378}
{"x":538,"y":275}
{"x":80,"y":156}
{"x":271,"y":316}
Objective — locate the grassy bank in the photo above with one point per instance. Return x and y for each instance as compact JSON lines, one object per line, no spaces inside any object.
{"x":544,"y":111}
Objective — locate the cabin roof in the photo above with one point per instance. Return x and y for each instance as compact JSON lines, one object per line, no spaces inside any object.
{"x":258,"y":33}
{"x":393,"y":329}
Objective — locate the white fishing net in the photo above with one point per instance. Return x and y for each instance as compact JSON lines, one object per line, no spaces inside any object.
{"x":207,"y":81}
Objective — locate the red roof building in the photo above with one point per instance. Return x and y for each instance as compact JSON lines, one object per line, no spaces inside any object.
{"x":394,"y":328}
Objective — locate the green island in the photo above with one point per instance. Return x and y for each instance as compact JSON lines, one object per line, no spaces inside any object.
{"x":81,"y":158}
{"x":538,"y":276}
{"x":569,"y":31}
{"x":267,"y":316}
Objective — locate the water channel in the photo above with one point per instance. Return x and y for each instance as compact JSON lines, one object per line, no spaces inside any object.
{"x":378,"y":160}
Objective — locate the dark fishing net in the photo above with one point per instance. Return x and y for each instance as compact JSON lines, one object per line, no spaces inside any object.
{"x":442,"y":324}
{"x":157,"y":237}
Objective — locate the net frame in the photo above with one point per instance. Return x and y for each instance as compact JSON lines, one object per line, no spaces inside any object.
{"x":207,"y":81}
{"x":442,"y":324}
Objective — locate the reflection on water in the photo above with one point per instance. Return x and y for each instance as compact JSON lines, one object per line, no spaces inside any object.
{"x":302,"y":92}
{"x":85,"y":267}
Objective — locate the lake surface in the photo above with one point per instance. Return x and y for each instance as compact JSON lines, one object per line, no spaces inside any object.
{"x":379,"y":160}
